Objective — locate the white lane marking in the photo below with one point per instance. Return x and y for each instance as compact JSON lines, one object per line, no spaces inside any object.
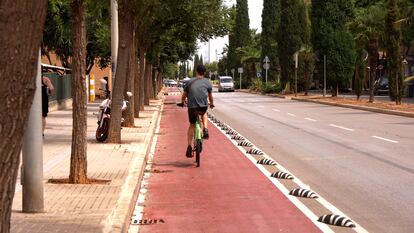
{"x":385,"y":139}
{"x":323,"y":227}
{"x":249,"y":103}
{"x":140,"y":204}
{"x":291,"y":114}
{"x":341,"y":127}
{"x":261,"y":106}
{"x":310,"y":119}
{"x":276,"y":110}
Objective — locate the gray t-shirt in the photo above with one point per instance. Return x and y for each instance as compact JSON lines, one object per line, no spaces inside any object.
{"x":197,"y":92}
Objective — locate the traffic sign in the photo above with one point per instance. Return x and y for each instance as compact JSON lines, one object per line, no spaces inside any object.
{"x":232,"y":70}
{"x":266,"y":60}
{"x":240,"y":70}
{"x":266,"y":66}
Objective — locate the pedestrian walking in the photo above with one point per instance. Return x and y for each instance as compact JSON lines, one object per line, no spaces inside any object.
{"x":47,"y":88}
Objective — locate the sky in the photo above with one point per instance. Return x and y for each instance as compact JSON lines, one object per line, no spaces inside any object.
{"x":217,"y":45}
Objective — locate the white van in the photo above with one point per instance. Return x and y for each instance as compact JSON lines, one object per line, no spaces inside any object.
{"x":225,"y":83}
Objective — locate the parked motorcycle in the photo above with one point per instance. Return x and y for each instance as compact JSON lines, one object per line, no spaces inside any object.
{"x":104,"y":114}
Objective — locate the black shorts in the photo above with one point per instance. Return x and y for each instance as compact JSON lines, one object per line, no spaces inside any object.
{"x":193,"y":112}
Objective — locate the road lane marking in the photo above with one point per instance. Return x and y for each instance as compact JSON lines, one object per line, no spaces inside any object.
{"x":261,"y":106}
{"x":385,"y":139}
{"x":276,"y":110}
{"x":291,"y":114}
{"x":341,"y":127}
{"x":310,"y":119}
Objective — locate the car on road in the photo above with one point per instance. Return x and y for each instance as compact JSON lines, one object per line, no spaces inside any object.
{"x":225,"y":83}
{"x":381,"y":85}
{"x":170,"y":83}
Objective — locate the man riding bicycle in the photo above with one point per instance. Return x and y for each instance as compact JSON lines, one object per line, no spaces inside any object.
{"x":196,"y":92}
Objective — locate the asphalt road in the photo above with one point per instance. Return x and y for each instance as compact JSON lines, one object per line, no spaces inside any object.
{"x":361,"y":162}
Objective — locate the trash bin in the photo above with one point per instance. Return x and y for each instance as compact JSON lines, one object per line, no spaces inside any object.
{"x":410,"y":90}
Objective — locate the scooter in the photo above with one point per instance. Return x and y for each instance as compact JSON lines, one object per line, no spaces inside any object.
{"x":104,"y":114}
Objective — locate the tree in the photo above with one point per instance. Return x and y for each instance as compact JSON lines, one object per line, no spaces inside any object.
{"x":126,"y":19}
{"x":331,"y":38}
{"x":368,"y":30}
{"x":196,"y":61}
{"x":289,"y":38}
{"x":393,"y":40}
{"x":57,"y":37}
{"x":20,"y":40}
{"x":270,"y":25}
{"x":241,"y":28}
{"x":78,"y":162}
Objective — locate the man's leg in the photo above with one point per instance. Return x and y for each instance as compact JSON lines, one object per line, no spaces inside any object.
{"x":43,"y":124}
{"x":205,"y":126}
{"x":190,"y":134}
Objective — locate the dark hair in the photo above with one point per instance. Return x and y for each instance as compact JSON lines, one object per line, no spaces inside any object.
{"x":201,"y":70}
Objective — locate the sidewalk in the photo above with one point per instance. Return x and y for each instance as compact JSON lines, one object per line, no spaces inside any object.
{"x":89,"y":208}
{"x":226,"y":194}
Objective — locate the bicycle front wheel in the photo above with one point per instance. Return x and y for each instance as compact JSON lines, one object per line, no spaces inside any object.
{"x":198,"y":148}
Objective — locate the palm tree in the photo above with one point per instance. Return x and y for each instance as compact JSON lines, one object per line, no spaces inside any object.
{"x":368,"y":29}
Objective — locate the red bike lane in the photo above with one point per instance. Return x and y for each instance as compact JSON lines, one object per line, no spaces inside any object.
{"x":226,"y":194}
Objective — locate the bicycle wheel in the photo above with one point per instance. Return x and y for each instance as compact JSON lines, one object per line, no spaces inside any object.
{"x":198,"y":148}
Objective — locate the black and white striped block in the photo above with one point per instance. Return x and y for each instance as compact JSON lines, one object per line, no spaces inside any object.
{"x":245,"y":143}
{"x":221,"y":124}
{"x":237,"y":137}
{"x":336,"y":220}
{"x":300,"y":192}
{"x":215,"y":120}
{"x":225,"y":127}
{"x":282,"y":175}
{"x":265,"y":161}
{"x":231,"y":132}
{"x":254,"y":151}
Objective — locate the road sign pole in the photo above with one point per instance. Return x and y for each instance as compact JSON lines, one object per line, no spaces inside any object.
{"x":266,"y":77}
{"x":240,"y":81}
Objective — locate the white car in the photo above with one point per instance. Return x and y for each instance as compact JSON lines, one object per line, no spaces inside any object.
{"x":225,"y":83}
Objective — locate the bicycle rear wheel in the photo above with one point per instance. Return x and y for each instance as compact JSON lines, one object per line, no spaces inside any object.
{"x":198,"y":148}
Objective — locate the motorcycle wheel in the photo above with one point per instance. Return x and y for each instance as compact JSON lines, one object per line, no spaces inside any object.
{"x":102,"y":132}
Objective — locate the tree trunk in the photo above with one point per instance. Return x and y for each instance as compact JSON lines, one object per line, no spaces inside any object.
{"x":142,"y":78}
{"x":137,"y":82}
{"x":20,"y":39}
{"x":147,"y":82}
{"x":78,"y":160}
{"x":373,"y":63}
{"x":125,"y":40}
{"x":129,"y":86}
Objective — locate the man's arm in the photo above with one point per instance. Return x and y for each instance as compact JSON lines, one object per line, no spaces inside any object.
{"x":210,"y":99}
{"x":183,"y":97}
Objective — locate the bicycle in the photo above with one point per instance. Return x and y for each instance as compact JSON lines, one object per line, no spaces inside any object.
{"x":198,"y":136}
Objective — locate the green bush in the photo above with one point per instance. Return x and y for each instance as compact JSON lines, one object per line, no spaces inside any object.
{"x":272,"y":87}
{"x":257,"y":85}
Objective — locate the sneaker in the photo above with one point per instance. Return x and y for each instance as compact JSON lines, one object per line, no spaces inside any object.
{"x":205,"y":134}
{"x":189,"y":152}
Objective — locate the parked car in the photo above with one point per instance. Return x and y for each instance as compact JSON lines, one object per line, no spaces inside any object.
{"x":225,"y":83}
{"x":381,"y":86}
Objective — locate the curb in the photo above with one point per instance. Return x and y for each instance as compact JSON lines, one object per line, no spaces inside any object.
{"x":120,"y":218}
{"x":363,"y":108}
{"x":377,"y":110}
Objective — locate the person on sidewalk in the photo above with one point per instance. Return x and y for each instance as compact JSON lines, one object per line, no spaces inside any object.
{"x":47,"y":88}
{"x":198,"y":93}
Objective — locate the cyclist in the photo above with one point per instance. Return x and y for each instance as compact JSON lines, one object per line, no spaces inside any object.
{"x":196,"y":92}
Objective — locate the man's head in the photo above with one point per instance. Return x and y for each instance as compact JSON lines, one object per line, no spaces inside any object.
{"x":201,"y":70}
